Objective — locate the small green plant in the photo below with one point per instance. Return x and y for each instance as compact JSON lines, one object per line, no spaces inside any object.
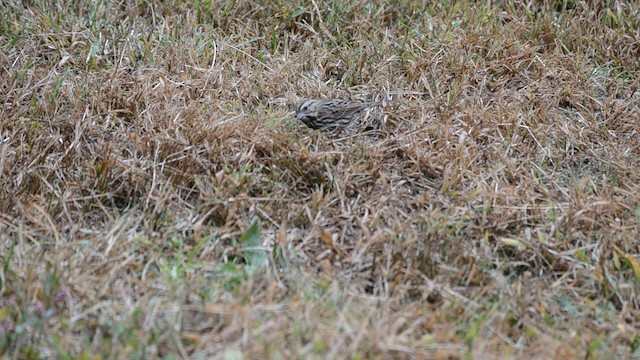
{"x":252,"y":250}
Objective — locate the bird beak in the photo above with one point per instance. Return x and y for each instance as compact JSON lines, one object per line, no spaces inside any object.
{"x":299,"y":116}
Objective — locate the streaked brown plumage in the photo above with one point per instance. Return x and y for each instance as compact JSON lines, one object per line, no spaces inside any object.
{"x":331,"y":113}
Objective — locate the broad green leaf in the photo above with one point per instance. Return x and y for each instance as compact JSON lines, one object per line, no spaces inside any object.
{"x":253,"y":252}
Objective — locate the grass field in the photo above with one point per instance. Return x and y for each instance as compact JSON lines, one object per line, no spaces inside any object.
{"x":158,"y":198}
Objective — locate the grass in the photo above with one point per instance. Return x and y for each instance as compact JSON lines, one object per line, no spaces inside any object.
{"x":159,"y":200}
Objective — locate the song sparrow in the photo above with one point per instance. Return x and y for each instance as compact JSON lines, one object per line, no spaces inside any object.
{"x":332,"y":113}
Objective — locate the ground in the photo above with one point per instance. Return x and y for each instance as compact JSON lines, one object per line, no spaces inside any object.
{"x":160,"y":200}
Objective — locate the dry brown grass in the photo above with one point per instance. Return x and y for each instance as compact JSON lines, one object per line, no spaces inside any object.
{"x":496,"y":215}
